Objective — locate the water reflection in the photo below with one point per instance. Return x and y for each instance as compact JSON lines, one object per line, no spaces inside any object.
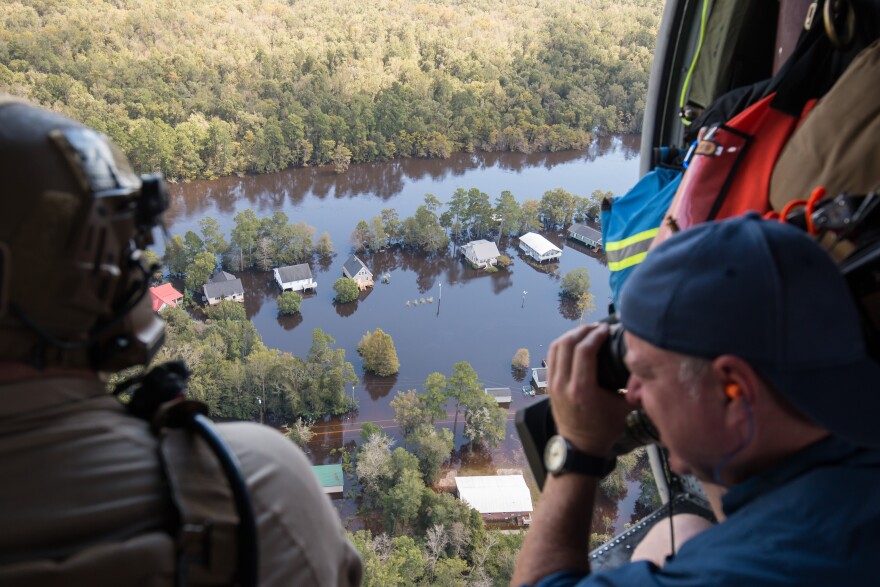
{"x":379,"y":387}
{"x":288,"y":189}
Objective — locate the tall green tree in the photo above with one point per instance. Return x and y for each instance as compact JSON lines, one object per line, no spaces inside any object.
{"x":378,"y":352}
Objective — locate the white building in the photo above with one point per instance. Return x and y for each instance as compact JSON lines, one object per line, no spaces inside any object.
{"x":223,"y":286}
{"x":502,"y":395}
{"x":496,"y":497}
{"x":538,"y":248}
{"x":481,"y":253}
{"x":295,"y":278}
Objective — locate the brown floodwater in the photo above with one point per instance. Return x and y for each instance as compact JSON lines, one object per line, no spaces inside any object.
{"x":437,"y":309}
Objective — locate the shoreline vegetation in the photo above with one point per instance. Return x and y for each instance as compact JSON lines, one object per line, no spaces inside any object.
{"x":242,"y":87}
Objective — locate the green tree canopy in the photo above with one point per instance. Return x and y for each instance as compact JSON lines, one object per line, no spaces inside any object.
{"x":380,"y":356}
{"x":289,"y":303}
{"x":346,"y":290}
{"x":575,"y":283}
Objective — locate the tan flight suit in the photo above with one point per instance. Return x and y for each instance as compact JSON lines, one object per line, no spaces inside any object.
{"x":78,"y":471}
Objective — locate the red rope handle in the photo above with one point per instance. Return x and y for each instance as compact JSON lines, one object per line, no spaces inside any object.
{"x":817,"y":195}
{"x":783,"y":216}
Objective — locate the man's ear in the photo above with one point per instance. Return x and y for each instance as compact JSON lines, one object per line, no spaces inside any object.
{"x":737,"y":381}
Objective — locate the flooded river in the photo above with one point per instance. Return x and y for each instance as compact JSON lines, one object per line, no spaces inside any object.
{"x":471,"y":316}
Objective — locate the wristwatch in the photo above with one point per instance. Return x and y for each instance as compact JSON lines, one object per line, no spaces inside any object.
{"x":561,"y":457}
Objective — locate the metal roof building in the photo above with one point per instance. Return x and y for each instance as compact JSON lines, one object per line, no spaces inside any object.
{"x":538,"y":247}
{"x":330,"y":477}
{"x":585,"y":234}
{"x":495,"y":494}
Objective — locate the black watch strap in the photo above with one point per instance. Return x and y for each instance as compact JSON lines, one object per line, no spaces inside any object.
{"x":587,"y":464}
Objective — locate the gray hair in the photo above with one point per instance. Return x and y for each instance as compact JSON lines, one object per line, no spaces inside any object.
{"x":690,"y":370}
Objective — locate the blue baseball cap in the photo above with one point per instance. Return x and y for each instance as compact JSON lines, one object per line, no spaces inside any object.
{"x":767,"y":293}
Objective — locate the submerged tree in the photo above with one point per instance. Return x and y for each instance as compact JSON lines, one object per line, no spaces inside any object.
{"x":521,"y":359}
{"x":346,"y":290}
{"x":289,"y":303}
{"x":380,"y":356}
{"x":576,"y":283}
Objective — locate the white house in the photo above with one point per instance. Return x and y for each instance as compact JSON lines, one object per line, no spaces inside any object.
{"x":496,"y":497}
{"x":223,"y":286}
{"x":295,"y":278}
{"x":502,"y":395}
{"x":539,"y":376}
{"x":481,"y":253}
{"x":538,"y":248}
{"x":355,"y":269}
{"x":585,"y":234}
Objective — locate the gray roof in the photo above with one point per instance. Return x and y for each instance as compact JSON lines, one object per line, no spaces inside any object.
{"x":586,"y":232}
{"x":483,"y":249}
{"x":354,"y":264}
{"x":217,"y":289}
{"x":222,"y":276}
{"x":295,"y":272}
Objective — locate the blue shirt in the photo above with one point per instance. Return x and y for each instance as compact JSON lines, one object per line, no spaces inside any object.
{"x":814,"y":520}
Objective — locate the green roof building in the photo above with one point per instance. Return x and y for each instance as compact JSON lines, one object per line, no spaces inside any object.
{"x":329,"y":477}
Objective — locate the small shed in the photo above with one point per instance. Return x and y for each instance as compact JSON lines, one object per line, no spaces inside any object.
{"x":330,"y":478}
{"x":585,"y":234}
{"x":164,"y":296}
{"x":539,"y":248}
{"x":539,"y":376}
{"x":498,"y":498}
{"x":295,"y":278}
{"x":481,"y":253}
{"x":355,"y":269}
{"x":502,"y":395}
{"x":223,"y":286}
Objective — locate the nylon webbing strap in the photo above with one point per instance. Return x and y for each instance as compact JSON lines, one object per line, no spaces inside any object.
{"x":630,"y":251}
{"x":207,"y":543}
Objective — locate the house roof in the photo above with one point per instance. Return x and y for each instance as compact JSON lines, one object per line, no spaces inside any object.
{"x":586,"y":232}
{"x":354,"y":264}
{"x":539,"y":244}
{"x":164,"y":294}
{"x":498,"y":391}
{"x":540,"y":374}
{"x":329,"y":475}
{"x":295,"y":272}
{"x":221,"y":276}
{"x":483,"y":249}
{"x":217,"y":289}
{"x":495,"y":494}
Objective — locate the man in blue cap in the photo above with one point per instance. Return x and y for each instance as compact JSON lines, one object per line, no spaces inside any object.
{"x":746,"y":350}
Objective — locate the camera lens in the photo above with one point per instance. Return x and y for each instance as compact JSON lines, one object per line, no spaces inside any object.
{"x":611,"y":372}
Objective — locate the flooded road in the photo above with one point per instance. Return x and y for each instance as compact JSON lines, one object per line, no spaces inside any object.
{"x":437,"y":310}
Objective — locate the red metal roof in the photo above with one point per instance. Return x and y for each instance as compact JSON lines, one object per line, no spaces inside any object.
{"x":164,"y":294}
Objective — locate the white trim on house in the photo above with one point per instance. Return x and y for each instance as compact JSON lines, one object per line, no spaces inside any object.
{"x":481,"y":253}
{"x":355,"y":269}
{"x":295,"y":278}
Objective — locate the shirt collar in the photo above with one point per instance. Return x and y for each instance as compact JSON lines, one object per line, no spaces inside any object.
{"x":830,"y":449}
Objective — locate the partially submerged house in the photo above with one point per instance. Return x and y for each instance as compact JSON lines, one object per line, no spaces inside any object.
{"x":355,"y":269}
{"x":502,"y":395}
{"x":539,"y":248}
{"x":498,"y":498}
{"x":481,"y":253}
{"x":295,"y":278}
{"x":539,"y":376}
{"x":585,"y":234}
{"x":164,"y":296}
{"x":223,"y":286}
{"x":330,"y":478}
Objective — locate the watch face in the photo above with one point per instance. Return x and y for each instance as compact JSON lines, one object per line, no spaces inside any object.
{"x":554,"y":454}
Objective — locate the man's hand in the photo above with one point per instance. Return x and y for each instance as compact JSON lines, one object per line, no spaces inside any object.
{"x":592,"y":419}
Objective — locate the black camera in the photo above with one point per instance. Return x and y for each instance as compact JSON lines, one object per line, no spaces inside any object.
{"x":535,"y":424}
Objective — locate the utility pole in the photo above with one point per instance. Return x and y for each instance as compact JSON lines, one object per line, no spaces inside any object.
{"x":524,"y":299}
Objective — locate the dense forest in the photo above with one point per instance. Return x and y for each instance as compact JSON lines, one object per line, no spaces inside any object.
{"x":206,"y":89}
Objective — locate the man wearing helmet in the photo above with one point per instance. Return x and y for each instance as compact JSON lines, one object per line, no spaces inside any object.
{"x":91,"y":494}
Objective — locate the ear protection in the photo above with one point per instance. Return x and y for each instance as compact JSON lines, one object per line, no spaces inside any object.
{"x":733,"y":391}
